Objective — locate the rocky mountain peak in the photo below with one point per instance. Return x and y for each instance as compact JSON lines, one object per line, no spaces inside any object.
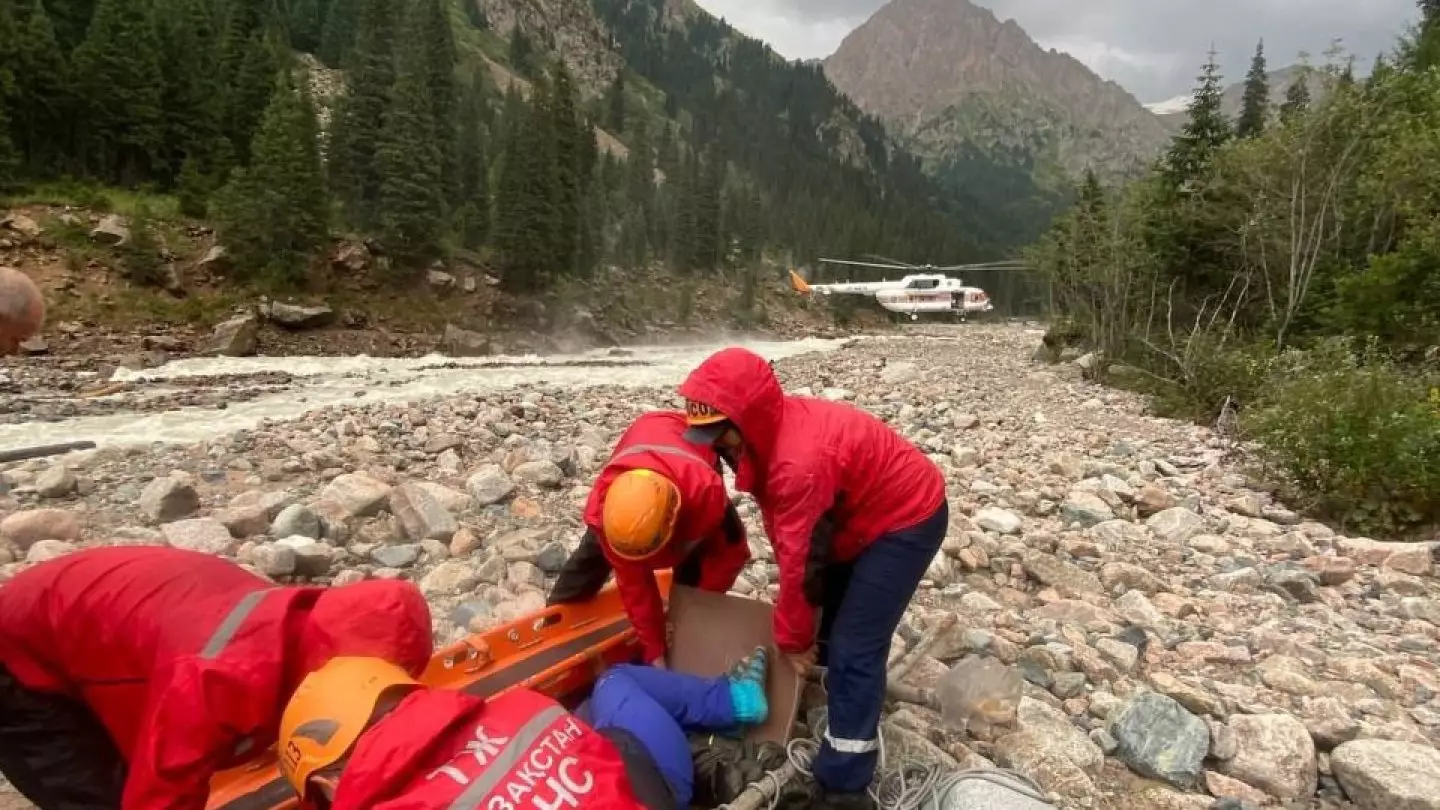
{"x":925,"y":65}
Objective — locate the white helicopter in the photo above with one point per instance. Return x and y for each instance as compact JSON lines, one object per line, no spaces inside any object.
{"x":928,"y":291}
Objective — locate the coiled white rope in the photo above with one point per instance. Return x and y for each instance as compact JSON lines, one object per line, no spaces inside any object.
{"x":907,"y":786}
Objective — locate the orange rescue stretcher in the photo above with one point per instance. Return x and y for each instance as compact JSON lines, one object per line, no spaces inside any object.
{"x":558,"y":651}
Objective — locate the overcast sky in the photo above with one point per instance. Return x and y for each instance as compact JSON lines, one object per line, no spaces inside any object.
{"x":1152,"y":47}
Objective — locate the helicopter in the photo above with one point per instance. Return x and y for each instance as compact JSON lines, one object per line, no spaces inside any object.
{"x":925,"y":289}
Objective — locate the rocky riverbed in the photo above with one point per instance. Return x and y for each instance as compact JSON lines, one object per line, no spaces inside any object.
{"x":1182,"y":640}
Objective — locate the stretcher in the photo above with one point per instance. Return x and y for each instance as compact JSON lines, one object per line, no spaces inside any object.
{"x":558,"y":651}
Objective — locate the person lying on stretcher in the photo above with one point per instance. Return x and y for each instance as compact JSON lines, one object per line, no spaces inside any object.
{"x":361,"y":734}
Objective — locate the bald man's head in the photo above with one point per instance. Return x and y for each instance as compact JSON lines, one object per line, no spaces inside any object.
{"x":22,"y":309}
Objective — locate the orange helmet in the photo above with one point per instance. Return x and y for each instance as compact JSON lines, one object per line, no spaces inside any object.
{"x":706,"y":424}
{"x":639,"y":515}
{"x":329,"y":711}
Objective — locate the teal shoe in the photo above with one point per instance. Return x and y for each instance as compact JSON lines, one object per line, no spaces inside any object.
{"x":747,"y":688}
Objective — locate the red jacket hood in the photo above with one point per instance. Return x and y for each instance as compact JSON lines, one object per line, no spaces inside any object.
{"x":343,"y":622}
{"x":403,"y":746}
{"x":740,"y":384}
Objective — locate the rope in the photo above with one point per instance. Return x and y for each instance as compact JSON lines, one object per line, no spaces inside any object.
{"x":907,"y":786}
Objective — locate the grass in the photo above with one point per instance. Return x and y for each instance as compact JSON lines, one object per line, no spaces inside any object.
{"x":125,"y":202}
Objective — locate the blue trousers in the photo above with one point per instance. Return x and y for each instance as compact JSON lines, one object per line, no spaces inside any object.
{"x":864,"y":602}
{"x":658,"y":707}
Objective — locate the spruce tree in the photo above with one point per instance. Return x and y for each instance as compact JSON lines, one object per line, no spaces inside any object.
{"x":41,"y":102}
{"x":305,"y":25}
{"x":193,"y":90}
{"x":708,"y":242}
{"x":118,"y":81}
{"x":354,"y":129}
{"x":409,"y":158}
{"x":525,"y":213}
{"x":1255,"y":108}
{"x":337,"y":34}
{"x":565,"y":127}
{"x":438,"y":44}
{"x":472,"y":168}
{"x":1297,"y":97}
{"x":1206,"y":131}
{"x":273,"y":214}
{"x":9,"y":156}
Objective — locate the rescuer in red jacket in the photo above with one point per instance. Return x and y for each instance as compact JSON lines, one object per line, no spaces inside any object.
{"x":360,"y":734}
{"x":855,"y":514}
{"x":659,"y":503}
{"x":129,"y":675}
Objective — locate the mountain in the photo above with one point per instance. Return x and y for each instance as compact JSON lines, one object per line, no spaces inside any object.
{"x":1173,"y":112}
{"x":958,"y":85}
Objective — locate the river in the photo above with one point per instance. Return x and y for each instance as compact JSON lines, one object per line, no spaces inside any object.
{"x":322,"y":381}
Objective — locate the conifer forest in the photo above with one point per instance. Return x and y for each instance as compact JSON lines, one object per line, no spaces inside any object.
{"x":425,"y":155}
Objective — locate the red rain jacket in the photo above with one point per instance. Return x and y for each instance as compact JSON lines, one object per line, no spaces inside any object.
{"x":654,"y":442}
{"x":518,"y":751}
{"x":187,"y":658}
{"x":801,"y":455}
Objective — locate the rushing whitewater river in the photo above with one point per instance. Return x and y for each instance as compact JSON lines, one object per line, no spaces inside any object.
{"x":322,"y":381}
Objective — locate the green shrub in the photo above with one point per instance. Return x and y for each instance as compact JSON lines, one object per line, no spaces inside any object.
{"x":1355,"y":434}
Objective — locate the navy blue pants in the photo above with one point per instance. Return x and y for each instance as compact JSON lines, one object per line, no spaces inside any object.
{"x":864,"y":601}
{"x":657,"y":707}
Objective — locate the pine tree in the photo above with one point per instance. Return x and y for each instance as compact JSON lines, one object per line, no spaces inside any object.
{"x":440,"y":57}
{"x":565,"y":129}
{"x":337,"y":35}
{"x":9,"y":156}
{"x":272,"y":214}
{"x":1205,"y":132}
{"x":118,"y":81}
{"x":193,"y":90}
{"x":1297,"y":97}
{"x":1426,"y":48}
{"x":685,"y":238}
{"x":525,"y":213}
{"x":353,"y":128}
{"x":251,"y":85}
{"x":1255,"y":107}
{"x":408,"y":157}
{"x":472,"y":172}
{"x":708,"y":243}
{"x":42,"y":101}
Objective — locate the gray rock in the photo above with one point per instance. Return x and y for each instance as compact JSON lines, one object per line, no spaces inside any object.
{"x":246,"y":519}
{"x":449,"y":578}
{"x":1158,"y":738}
{"x":1175,"y":525}
{"x":421,"y":516}
{"x":490,"y":485}
{"x":45,"y":550}
{"x":165,"y":500}
{"x":237,"y":337}
{"x":1000,"y":521}
{"x":357,"y":494}
{"x":542,"y":473}
{"x":1274,"y":752}
{"x":1059,"y":574}
{"x":296,"y":520}
{"x":55,"y":482}
{"x":25,"y":529}
{"x":402,"y":556}
{"x":1385,"y":775}
{"x":274,"y":559}
{"x":1086,"y":509}
{"x":294,"y":316}
{"x":552,"y":557}
{"x":198,"y":534}
{"x":312,"y":559}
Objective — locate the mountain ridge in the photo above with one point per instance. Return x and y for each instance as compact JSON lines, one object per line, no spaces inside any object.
{"x":953,"y":78}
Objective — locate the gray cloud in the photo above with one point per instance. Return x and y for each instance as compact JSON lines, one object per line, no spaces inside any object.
{"x":1153,"y":48}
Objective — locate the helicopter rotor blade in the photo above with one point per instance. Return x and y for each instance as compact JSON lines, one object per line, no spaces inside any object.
{"x":879,"y":258}
{"x":867,"y":264}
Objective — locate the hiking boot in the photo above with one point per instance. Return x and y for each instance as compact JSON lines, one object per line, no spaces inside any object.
{"x":747,"y":688}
